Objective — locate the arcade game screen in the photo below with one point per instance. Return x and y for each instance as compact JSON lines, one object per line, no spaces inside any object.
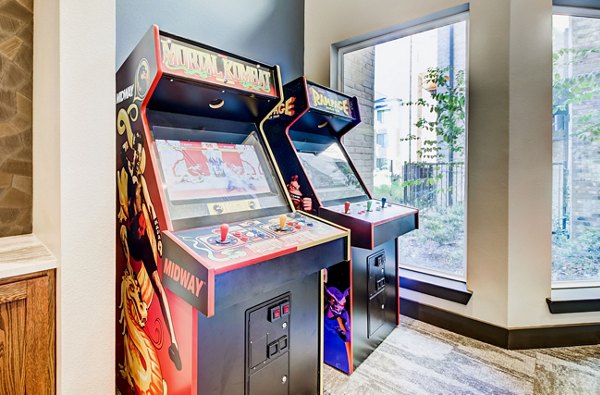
{"x":219,"y":173}
{"x":200,"y":170}
{"x":330,"y":172}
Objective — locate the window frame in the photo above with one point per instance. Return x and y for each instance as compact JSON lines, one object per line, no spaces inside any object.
{"x":434,"y":21}
{"x":568,"y":289}
{"x":574,"y":296}
{"x":460,"y":13}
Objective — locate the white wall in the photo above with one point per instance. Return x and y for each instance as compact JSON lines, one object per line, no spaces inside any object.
{"x":74,"y":196}
{"x":509,"y":145}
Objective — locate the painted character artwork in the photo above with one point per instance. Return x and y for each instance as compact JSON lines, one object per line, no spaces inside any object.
{"x":141,"y":243}
{"x":300,"y":202}
{"x":337,"y":333}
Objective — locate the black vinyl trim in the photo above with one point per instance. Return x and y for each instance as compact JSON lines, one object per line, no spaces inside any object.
{"x":512,"y":339}
{"x":572,"y":306}
{"x":440,"y":287}
{"x":465,"y":326}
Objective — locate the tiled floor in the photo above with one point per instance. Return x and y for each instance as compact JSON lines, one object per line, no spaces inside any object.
{"x":418,"y":358}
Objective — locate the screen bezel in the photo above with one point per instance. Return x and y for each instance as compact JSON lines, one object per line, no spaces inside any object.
{"x":320,"y":142}
{"x":170,"y":126}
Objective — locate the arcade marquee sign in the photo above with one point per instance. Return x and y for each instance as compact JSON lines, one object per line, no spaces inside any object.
{"x":325,"y":100}
{"x":180,"y":58}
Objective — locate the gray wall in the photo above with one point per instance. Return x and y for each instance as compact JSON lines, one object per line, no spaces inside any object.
{"x":270,"y":31}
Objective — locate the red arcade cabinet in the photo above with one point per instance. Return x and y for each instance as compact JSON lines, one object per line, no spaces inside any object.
{"x":219,"y":279}
{"x":306,"y":136}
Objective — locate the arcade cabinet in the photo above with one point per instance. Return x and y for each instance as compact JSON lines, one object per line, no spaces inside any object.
{"x":306,"y":134}
{"x":219,"y":278}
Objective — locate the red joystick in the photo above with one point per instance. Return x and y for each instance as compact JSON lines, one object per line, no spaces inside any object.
{"x":346,"y":207}
{"x":224,"y":231}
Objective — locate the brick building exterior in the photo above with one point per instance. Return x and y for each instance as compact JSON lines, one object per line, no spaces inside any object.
{"x":585,"y":153}
{"x":359,"y":80}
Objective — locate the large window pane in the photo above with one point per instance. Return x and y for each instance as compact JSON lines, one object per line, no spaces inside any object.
{"x":576,"y":149}
{"x":412,"y":143}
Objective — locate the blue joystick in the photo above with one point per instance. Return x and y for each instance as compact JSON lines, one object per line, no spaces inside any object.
{"x":383,"y":200}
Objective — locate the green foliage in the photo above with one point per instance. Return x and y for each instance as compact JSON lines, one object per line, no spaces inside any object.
{"x":394,"y":192}
{"x":568,"y":90}
{"x":443,"y":226}
{"x":576,"y":257}
{"x":439,"y":242}
{"x":448,"y":104}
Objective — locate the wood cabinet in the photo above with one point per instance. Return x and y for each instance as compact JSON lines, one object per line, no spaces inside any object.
{"x":27,"y":334}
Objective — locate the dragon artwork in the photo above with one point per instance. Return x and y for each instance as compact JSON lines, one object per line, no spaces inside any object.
{"x":141,"y":368}
{"x":141,"y":243}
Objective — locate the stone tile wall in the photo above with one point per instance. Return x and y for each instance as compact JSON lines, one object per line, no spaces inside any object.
{"x":16,"y":73}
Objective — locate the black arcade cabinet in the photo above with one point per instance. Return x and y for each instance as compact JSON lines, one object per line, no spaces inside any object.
{"x":219,"y":278}
{"x":305,"y":134}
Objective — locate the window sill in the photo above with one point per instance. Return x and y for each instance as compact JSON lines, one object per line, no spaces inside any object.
{"x":574,"y":300}
{"x":440,"y":287}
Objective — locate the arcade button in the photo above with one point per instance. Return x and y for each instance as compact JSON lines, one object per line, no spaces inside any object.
{"x":282,"y":219}
{"x":273,"y":348}
{"x":346,"y":207}
{"x":282,"y":343}
{"x":274,"y":313}
{"x":224,"y":239}
{"x":297,"y":215}
{"x":285,"y":309}
{"x":237,"y":234}
{"x":309,"y":224}
{"x":302,"y":220}
{"x":298,"y":226}
{"x":244,"y":238}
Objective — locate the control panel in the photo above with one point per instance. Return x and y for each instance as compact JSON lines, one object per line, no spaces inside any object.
{"x":267,"y":347}
{"x":362,"y":208}
{"x":229,"y":244}
{"x":372,"y":211}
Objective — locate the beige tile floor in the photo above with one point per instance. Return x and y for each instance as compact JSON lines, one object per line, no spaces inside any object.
{"x":418,"y":358}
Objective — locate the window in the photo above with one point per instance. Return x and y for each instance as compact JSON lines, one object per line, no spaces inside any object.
{"x":381,"y":115}
{"x":576,"y":149}
{"x":418,"y":76}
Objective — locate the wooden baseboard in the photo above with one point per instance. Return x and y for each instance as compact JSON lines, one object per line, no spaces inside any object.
{"x":513,"y":339}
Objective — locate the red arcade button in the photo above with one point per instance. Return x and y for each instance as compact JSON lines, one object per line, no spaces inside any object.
{"x":275,"y":313}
